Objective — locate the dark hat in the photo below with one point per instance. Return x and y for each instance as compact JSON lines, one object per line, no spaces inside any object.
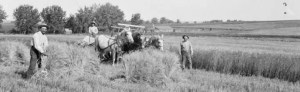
{"x":185,"y":36}
{"x":40,"y":25}
{"x":93,"y":22}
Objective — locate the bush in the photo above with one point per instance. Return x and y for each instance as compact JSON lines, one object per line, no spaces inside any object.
{"x":14,"y":31}
{"x":152,"y":66}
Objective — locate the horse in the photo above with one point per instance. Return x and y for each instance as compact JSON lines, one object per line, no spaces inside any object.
{"x":105,"y":44}
{"x":136,"y":45}
{"x":154,"y":41}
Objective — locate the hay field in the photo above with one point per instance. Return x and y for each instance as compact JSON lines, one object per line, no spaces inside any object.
{"x":223,"y":64}
{"x":243,"y":25}
{"x":253,"y":29}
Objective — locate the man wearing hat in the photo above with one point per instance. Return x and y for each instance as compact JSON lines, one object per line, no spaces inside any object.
{"x":186,"y":52}
{"x":93,"y":30}
{"x":39,"y":43}
{"x":127,"y":28}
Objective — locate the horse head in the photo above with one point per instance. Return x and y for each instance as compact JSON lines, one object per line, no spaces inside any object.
{"x":160,"y":42}
{"x":155,"y":41}
{"x":126,"y":36}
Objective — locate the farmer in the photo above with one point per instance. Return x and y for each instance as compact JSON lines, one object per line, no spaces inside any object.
{"x":186,"y":53}
{"x":39,"y":43}
{"x":127,"y":28}
{"x":93,"y":30}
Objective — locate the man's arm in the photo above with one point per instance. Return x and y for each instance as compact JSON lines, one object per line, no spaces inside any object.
{"x":45,"y":46}
{"x":180,"y":48}
{"x":36,"y":43}
{"x":191,"y":49}
{"x":46,"y":43}
{"x":90,"y":30}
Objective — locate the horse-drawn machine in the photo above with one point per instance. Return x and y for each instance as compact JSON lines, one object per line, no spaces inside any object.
{"x":123,"y":39}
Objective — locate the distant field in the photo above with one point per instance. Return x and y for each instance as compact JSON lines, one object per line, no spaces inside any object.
{"x":276,"y":32}
{"x":255,"y":25}
{"x":266,"y":29}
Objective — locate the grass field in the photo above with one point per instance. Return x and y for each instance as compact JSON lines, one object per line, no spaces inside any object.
{"x":224,"y":64}
{"x":233,"y":57}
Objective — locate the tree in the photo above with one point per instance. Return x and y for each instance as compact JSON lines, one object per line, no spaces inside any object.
{"x":26,"y":18}
{"x":2,"y":15}
{"x":54,"y":16}
{"x":84,"y":17}
{"x":163,"y":20}
{"x":108,"y":15}
{"x":170,"y":21}
{"x":154,"y":20}
{"x":178,"y":21}
{"x":72,"y":24}
{"x":136,"y":19}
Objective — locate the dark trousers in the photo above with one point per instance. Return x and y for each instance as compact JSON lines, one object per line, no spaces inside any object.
{"x":186,"y":61}
{"x":35,"y":58}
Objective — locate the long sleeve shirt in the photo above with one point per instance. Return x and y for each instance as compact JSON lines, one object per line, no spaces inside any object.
{"x":186,"y":46}
{"x":39,"y":41}
{"x":93,"y":30}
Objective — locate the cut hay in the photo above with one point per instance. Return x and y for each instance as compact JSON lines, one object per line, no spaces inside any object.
{"x":66,"y":61}
{"x":151,"y":66}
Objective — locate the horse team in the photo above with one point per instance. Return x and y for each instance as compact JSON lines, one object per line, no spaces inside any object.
{"x":112,"y":47}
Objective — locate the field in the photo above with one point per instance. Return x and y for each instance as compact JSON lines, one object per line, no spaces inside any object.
{"x":83,"y":72}
{"x":242,"y":57}
{"x":253,"y":29}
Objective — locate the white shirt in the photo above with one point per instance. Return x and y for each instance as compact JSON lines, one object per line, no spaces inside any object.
{"x":93,"y":30}
{"x":186,"y":46}
{"x":39,"y":41}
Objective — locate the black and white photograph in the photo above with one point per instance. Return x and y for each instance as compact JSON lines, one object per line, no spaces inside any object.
{"x":149,"y":45}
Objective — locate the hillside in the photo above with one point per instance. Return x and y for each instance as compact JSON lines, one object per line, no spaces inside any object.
{"x":247,"y":25}
{"x":274,"y":29}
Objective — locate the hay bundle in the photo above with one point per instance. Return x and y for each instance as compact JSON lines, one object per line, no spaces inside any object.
{"x":151,"y":66}
{"x":66,"y":61}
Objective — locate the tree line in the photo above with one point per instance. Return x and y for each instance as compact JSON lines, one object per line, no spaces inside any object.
{"x":105,"y":16}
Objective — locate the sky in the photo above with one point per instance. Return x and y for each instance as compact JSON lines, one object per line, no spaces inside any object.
{"x":184,"y":10}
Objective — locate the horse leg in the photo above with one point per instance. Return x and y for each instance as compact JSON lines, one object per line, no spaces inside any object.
{"x":102,"y":56}
{"x":113,"y":54}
